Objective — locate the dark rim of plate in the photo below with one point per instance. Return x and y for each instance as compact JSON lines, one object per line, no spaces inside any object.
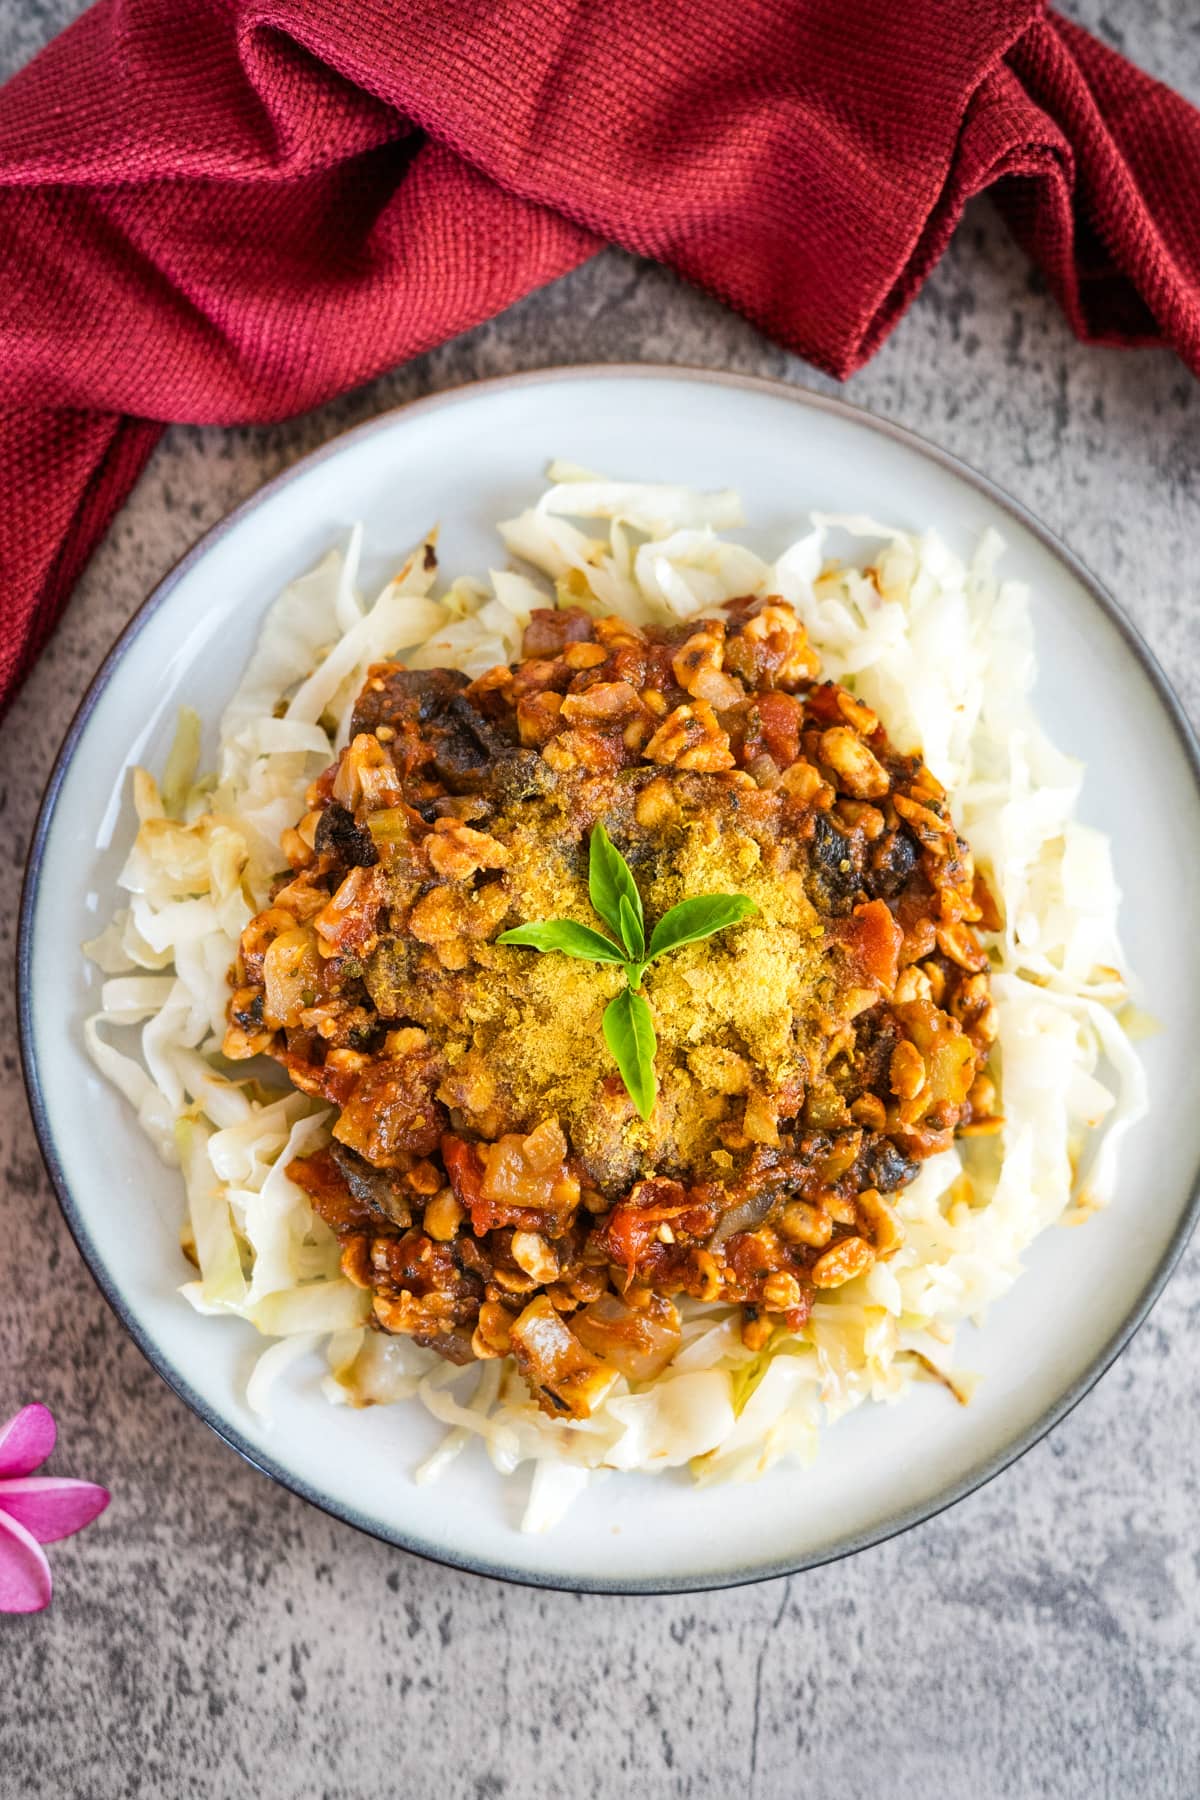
{"x":984,"y":1471}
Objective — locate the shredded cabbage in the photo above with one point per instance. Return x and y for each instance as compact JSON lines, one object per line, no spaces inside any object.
{"x":944,"y":651}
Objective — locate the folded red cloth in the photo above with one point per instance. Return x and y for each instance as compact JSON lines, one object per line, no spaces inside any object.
{"x":229,"y":210}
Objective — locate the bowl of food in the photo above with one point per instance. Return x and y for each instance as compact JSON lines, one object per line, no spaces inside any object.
{"x":575,"y":984}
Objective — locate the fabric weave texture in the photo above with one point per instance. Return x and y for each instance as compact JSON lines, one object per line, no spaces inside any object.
{"x":227,"y":211}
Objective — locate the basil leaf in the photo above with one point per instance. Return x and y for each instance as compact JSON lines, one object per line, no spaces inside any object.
{"x":698,"y":918}
{"x":629,"y":1034}
{"x":633,"y":930}
{"x":567,"y":936}
{"x":610,"y":882}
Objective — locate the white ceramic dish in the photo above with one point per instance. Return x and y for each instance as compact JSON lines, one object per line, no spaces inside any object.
{"x":468,"y":458}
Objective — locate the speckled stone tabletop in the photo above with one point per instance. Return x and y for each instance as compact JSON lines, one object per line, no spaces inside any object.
{"x":212,"y":1635}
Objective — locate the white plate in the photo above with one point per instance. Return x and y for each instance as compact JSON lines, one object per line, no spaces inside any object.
{"x":468,"y":458}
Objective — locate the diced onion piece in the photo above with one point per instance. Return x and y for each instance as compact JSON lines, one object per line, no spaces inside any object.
{"x":639,"y":1341}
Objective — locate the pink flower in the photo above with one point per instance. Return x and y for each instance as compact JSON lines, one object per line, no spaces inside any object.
{"x":35,"y":1509}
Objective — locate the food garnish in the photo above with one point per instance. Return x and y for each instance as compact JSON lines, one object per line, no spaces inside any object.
{"x":628,"y":1022}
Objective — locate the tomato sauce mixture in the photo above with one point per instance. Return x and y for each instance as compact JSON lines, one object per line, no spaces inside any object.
{"x":489,"y":1179}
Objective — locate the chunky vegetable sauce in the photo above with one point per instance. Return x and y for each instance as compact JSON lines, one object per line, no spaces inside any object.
{"x":489,"y":1179}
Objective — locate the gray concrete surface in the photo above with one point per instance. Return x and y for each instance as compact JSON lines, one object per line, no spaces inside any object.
{"x":214,"y":1636}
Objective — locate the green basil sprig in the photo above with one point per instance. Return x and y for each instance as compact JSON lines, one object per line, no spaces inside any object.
{"x":628,"y":1021}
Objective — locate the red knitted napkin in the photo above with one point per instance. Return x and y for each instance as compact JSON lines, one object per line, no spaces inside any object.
{"x":229,"y":210}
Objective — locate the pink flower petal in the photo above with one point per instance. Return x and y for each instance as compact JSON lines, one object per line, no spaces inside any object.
{"x":25,"y":1582}
{"x":52,"y":1506}
{"x":27,"y":1440}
